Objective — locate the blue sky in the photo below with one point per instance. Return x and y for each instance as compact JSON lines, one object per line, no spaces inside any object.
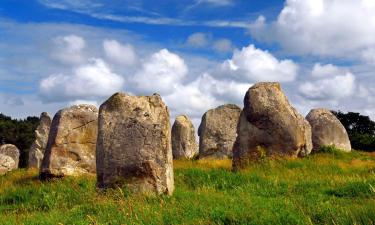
{"x":163,"y":22}
{"x":197,"y":54}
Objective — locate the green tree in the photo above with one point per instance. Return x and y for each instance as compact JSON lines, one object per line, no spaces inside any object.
{"x":20,"y":133}
{"x":360,"y":128}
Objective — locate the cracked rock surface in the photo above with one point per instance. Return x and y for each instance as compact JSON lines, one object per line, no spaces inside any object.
{"x":217,"y":131}
{"x":327,"y":130}
{"x":38,"y":147}
{"x":71,"y":143}
{"x":184,"y":143}
{"x":134,"y":144}
{"x":269,"y":126}
{"x":11,"y":151}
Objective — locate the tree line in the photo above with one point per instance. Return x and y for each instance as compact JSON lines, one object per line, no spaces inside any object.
{"x":20,"y":132}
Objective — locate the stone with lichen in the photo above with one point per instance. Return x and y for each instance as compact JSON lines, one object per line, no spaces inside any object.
{"x":134,"y":144}
{"x":269,"y":127}
{"x":184,"y":144}
{"x":39,"y":145}
{"x":71,"y":143}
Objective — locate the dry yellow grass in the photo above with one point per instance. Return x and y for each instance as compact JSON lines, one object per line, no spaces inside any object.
{"x":203,"y":164}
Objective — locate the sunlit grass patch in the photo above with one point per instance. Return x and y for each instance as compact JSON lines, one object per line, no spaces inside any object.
{"x":323,"y":188}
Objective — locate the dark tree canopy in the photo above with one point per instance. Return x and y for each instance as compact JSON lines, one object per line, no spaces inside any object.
{"x":360,"y":128}
{"x":20,"y":133}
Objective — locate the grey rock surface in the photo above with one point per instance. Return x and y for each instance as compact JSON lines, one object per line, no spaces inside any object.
{"x":71,"y":143}
{"x":217,"y":131}
{"x":327,"y":130}
{"x":7,"y":164}
{"x":134,"y":144}
{"x":38,"y":147}
{"x":12,"y":151}
{"x":269,"y":127}
{"x":184,"y":143}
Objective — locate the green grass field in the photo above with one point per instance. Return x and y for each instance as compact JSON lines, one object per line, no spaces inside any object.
{"x":325,"y":188}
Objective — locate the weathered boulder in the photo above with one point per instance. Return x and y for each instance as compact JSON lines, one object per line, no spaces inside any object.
{"x":6,"y":164}
{"x":134,"y":144}
{"x":71,"y":143}
{"x":38,"y":147}
{"x":12,"y":151}
{"x":269,"y":126}
{"x":184,"y":144}
{"x":217,"y":131}
{"x":327,"y":130}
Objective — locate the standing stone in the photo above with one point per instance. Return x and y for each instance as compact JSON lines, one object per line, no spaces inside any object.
{"x":134,"y":144}
{"x":327,"y":130}
{"x":11,"y":151}
{"x":269,"y":126}
{"x":184,"y":144}
{"x":217,"y":131}
{"x":38,"y":147}
{"x":6,"y":164}
{"x":71,"y":143}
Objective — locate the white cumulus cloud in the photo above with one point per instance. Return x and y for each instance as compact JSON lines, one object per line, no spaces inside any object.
{"x":160,"y":73}
{"x":328,"y":87}
{"x":253,"y":65}
{"x":224,"y":90}
{"x":324,"y":70}
{"x":88,"y":81}
{"x":69,"y":49}
{"x":338,"y":28}
{"x":123,"y":54}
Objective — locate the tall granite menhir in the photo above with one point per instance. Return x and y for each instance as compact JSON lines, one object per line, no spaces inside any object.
{"x":71,"y":143}
{"x":36,"y":152}
{"x":269,"y":127}
{"x":217,"y":131}
{"x":134,"y":144}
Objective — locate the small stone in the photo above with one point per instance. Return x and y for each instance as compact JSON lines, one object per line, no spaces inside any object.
{"x":7,"y":164}
{"x":12,"y":151}
{"x":327,"y":130}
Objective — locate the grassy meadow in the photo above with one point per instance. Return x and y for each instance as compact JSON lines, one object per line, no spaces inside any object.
{"x":324,"y":188}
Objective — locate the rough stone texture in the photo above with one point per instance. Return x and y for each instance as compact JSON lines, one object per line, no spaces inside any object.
{"x":6,"y":164}
{"x":37,"y":149}
{"x":184,"y":144}
{"x":217,"y":131}
{"x":327,"y":130}
{"x":71,"y":143}
{"x":269,"y":126}
{"x":134,"y":144}
{"x":12,"y":151}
